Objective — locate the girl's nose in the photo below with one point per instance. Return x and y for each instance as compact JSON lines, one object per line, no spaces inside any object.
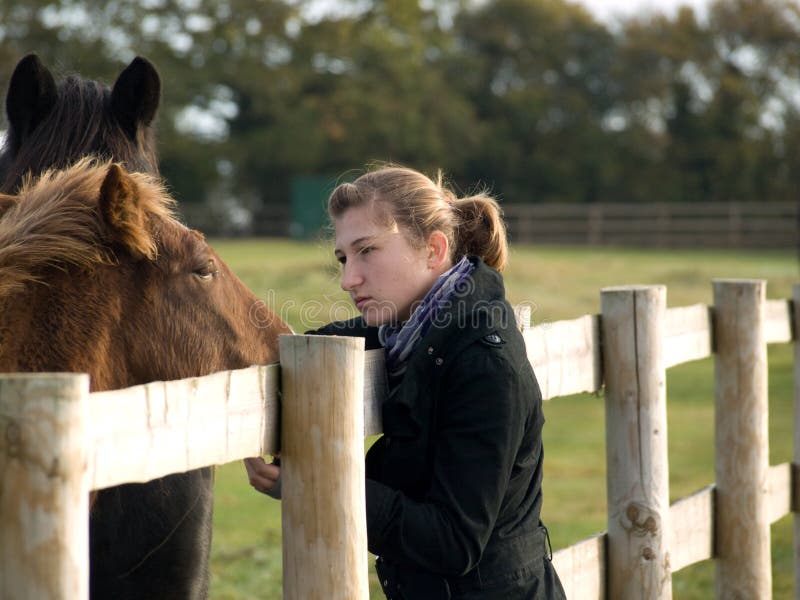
{"x":350,"y":278}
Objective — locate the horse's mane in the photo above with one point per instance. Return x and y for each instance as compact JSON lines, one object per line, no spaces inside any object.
{"x":79,"y":124}
{"x":54,"y":221}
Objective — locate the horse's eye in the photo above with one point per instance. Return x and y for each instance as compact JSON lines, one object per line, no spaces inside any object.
{"x":208,"y":270}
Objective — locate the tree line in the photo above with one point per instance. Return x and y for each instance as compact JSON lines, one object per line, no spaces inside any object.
{"x":535,"y":99}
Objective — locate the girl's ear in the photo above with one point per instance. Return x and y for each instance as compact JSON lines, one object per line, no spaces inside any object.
{"x":438,"y":250}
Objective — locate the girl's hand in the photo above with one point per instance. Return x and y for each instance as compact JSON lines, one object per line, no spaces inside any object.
{"x":264,"y":477}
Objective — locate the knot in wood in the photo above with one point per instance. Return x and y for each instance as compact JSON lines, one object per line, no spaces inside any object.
{"x":650,"y":525}
{"x":13,"y":438}
{"x":648,"y":554}
{"x":54,"y":470}
{"x":632,"y":513}
{"x":640,"y":520}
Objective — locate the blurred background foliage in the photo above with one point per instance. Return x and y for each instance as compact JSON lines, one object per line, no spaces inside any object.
{"x":536,"y":99}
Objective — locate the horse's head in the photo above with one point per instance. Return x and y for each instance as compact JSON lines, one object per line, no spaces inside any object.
{"x":52,"y":125}
{"x":131,"y":294}
{"x":182,"y":292}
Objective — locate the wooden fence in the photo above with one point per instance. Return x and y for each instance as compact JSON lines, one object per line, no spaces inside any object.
{"x":57,"y":441}
{"x":664,"y":225}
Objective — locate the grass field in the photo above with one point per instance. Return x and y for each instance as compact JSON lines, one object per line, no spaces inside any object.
{"x":300,"y":281}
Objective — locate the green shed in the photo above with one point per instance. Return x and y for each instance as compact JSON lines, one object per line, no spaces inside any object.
{"x":309,"y":195}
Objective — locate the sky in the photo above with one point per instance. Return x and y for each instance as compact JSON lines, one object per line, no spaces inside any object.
{"x":607,"y":10}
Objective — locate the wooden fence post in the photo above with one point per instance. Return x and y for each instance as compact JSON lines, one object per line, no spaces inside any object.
{"x":322,"y":456}
{"x":795,"y":505}
{"x":44,"y":495}
{"x":741,"y":440}
{"x":636,"y":442}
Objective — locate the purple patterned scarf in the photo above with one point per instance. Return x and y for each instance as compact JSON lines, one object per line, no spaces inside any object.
{"x":401,"y":340}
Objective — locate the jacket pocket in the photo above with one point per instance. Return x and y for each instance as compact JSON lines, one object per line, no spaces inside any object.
{"x":403,"y":582}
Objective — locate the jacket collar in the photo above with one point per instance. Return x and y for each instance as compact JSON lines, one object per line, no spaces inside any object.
{"x":479,"y":312}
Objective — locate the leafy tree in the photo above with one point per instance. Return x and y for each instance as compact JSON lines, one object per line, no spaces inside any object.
{"x":534,"y":98}
{"x":712,"y":96}
{"x":539,"y":75}
{"x":374,"y":81}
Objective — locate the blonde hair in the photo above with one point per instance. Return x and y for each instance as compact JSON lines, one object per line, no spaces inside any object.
{"x":419,"y":206}
{"x":55,"y":220}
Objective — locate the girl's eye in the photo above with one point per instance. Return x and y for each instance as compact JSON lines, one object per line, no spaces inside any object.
{"x":208,"y":270}
{"x":342,"y":259}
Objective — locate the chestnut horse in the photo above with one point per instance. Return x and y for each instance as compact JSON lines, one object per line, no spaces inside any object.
{"x":97,"y":276}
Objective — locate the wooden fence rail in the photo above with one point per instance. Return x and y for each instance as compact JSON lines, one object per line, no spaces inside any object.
{"x":57,"y":441}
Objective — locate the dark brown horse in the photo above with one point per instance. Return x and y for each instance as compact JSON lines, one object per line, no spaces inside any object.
{"x":54,"y":124}
{"x":97,"y":276}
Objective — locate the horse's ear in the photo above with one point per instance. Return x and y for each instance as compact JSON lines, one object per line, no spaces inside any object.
{"x":31,"y":96}
{"x":135,"y":96}
{"x":123,"y":214}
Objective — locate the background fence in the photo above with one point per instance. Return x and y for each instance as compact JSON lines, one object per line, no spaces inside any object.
{"x":665,"y":225}
{"x":60,"y":441}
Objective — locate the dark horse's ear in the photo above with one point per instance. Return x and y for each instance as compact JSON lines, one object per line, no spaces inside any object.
{"x":135,"y":96}
{"x":31,"y":96}
{"x":123,"y":213}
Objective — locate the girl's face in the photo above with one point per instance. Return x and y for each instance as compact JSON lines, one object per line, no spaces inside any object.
{"x":384,"y":274}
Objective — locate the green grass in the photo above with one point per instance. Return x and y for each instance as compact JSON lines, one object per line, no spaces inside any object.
{"x":300,"y":280}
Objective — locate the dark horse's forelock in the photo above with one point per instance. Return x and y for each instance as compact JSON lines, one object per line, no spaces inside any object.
{"x":74,"y":118}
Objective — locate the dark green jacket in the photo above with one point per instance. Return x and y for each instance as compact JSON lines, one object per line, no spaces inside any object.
{"x":454,"y":485}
